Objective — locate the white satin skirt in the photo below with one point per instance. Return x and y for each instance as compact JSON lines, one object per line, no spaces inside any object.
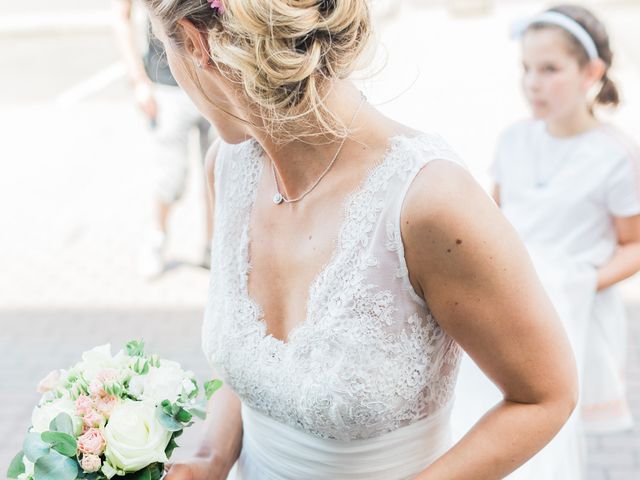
{"x":275,"y":451}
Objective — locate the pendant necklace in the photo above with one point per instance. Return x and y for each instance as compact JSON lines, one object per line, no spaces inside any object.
{"x":279,"y":198}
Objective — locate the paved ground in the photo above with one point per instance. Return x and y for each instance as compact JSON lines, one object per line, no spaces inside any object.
{"x":74,"y":187}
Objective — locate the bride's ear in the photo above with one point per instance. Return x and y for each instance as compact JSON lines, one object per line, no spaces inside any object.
{"x":195,"y":43}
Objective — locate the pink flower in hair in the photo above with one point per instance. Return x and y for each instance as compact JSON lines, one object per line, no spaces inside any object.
{"x":217,"y":5}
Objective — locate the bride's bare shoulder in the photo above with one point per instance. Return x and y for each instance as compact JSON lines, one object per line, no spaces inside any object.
{"x":448,"y":219}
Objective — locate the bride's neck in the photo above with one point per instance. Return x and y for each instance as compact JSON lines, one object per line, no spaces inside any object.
{"x":300,"y":163}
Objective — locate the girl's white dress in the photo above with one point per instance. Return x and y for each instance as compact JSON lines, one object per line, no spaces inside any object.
{"x":562,"y":195}
{"x":363,"y":388}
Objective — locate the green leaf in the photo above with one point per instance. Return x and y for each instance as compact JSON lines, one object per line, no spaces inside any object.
{"x":166,"y":407}
{"x":168,"y":421}
{"x":91,"y":476}
{"x":34,"y":447}
{"x":144,"y":474}
{"x":171,"y":446}
{"x":156,"y":470}
{"x":135,"y":348}
{"x":16,"y":467}
{"x":56,"y":466}
{"x":61,"y":442}
{"x":211,"y":387}
{"x":62,"y":423}
{"x":198,"y":412}
{"x":183,"y":416}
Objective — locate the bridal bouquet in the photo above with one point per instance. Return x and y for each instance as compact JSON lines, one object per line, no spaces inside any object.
{"x":110,"y":417}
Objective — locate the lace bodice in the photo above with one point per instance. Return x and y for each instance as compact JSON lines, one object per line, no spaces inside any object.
{"x":370,"y":357}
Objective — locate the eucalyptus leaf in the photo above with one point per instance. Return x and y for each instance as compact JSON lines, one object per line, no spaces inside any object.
{"x":34,"y":448}
{"x":168,"y":422}
{"x":61,"y":442}
{"x":56,"y":466}
{"x":16,"y":467}
{"x":62,"y":423}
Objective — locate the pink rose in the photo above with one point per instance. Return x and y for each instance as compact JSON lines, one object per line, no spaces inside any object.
{"x":90,"y":463}
{"x":108,"y":375}
{"x":49,"y":382}
{"x":93,"y":419}
{"x":84,"y":405}
{"x":91,"y":442}
{"x":96,"y":388}
{"x":106,"y":404}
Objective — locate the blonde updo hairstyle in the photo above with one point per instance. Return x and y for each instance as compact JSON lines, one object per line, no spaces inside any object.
{"x":283,"y":54}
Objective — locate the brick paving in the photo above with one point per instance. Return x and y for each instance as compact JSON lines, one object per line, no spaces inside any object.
{"x":74,"y":197}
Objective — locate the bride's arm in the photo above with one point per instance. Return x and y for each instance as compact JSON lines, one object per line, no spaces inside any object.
{"x":223,"y":429}
{"x":477,"y":278}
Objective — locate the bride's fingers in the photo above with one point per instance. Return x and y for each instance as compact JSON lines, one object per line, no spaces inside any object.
{"x":178,"y":472}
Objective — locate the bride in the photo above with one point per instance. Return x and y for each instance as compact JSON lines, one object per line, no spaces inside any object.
{"x":353,"y":259}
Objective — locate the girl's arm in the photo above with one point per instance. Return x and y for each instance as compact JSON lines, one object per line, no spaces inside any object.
{"x":626,"y":259}
{"x":468,"y":263}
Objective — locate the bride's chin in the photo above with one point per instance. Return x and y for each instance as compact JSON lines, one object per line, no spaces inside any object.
{"x":232,"y":137}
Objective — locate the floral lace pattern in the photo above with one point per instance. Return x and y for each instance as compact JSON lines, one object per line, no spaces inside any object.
{"x":369,"y":358}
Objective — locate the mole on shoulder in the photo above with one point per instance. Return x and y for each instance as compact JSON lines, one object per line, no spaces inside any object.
{"x":448,"y":250}
{"x":459,"y":242}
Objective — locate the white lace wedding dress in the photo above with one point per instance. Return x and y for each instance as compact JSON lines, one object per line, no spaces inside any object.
{"x":363,"y":387}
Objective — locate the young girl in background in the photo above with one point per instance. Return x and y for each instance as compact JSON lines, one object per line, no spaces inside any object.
{"x":570,"y":184}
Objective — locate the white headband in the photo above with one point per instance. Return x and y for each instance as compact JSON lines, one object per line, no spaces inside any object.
{"x":562,"y":21}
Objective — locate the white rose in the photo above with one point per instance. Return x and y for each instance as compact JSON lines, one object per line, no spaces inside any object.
{"x":43,"y":415}
{"x":136,"y":385}
{"x":98,"y":359}
{"x":135,"y":438}
{"x":163,"y":382}
{"x":188,"y":386}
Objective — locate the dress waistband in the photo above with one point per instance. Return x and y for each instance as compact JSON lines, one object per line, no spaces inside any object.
{"x":275,"y":451}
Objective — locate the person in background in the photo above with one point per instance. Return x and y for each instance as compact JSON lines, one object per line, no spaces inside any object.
{"x":570,"y":184}
{"x":171,"y":118}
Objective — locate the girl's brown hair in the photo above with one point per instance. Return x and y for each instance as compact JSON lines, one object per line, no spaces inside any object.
{"x":608,"y":94}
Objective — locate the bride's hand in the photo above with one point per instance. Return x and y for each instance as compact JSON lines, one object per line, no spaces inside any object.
{"x":196,"y":469}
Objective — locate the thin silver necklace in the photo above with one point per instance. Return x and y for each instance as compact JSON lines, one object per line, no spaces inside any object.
{"x":278,"y":198}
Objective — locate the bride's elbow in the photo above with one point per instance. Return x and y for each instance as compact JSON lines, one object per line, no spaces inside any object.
{"x":565,"y":400}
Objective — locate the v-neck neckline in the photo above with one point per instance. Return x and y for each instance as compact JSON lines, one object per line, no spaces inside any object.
{"x":257,"y":315}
